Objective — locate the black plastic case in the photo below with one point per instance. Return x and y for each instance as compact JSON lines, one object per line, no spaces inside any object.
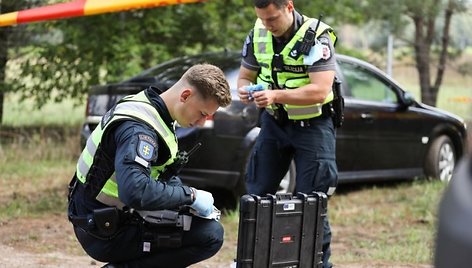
{"x":281,"y":230}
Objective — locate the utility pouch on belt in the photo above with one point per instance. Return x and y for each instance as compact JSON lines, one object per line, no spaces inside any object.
{"x":163,"y":229}
{"x":106,"y":220}
{"x":166,"y":238}
{"x":166,"y":218}
{"x":280,"y":115}
{"x":338,"y":104}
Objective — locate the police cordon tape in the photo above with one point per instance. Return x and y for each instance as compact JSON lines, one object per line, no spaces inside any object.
{"x":82,"y":8}
{"x":460,"y":99}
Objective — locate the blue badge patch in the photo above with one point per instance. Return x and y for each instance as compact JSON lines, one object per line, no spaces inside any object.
{"x":146,"y":147}
{"x":145,"y":150}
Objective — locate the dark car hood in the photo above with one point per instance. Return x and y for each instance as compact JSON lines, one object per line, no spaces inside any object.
{"x":459,"y":120}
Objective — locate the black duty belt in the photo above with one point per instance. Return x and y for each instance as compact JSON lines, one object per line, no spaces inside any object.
{"x":103,"y":222}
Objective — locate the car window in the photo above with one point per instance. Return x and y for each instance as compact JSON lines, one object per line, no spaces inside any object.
{"x":171,"y":71}
{"x":365,"y":85}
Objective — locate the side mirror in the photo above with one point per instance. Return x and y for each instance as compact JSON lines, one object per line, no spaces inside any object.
{"x":408,"y":99}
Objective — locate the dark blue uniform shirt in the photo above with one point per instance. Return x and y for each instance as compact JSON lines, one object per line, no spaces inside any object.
{"x":119,"y":147}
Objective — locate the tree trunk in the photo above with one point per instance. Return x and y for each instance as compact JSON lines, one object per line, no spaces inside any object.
{"x":444,"y":45}
{"x":424,"y":36}
{"x":423,"y":58}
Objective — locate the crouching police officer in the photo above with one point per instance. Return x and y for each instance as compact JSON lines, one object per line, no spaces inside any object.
{"x":118,"y":179}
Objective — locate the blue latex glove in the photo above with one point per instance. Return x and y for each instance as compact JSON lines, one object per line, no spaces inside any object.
{"x":254,"y":88}
{"x":203,"y":203}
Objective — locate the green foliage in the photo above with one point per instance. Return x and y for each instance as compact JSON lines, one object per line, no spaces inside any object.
{"x":65,"y":57}
{"x":59,"y":59}
{"x":335,"y":13}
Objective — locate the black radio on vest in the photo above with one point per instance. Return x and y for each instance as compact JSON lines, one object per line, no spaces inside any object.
{"x":309,"y":38}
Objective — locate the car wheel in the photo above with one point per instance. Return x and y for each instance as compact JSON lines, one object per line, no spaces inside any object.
{"x":287,"y":185}
{"x":441,"y":159}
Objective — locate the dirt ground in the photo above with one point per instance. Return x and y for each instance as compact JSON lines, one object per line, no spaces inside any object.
{"x":49,"y":242}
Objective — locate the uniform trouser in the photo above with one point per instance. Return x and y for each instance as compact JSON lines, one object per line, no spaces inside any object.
{"x":313,"y":150}
{"x":202,"y":241}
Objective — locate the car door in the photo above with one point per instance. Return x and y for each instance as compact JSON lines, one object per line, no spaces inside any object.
{"x":346,"y":135}
{"x":384,"y":129}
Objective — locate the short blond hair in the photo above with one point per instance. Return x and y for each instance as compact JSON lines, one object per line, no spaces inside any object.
{"x":210,"y":82}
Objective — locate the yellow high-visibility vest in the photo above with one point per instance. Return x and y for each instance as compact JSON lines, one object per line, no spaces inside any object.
{"x":264,"y":53}
{"x":136,"y":107}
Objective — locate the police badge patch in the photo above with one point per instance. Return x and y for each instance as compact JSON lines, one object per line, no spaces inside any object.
{"x":146,"y":147}
{"x":326,"y":51}
{"x":145,"y":150}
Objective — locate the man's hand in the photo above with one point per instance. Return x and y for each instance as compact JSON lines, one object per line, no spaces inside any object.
{"x":264,"y":98}
{"x":203,"y":203}
{"x":244,"y":95}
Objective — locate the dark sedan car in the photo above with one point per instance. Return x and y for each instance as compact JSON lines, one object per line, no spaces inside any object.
{"x":386,"y":133}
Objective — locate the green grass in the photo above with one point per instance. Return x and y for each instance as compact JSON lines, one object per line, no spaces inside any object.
{"x":65,"y":113}
{"x":30,"y":205}
{"x":387,"y":224}
{"x":35,"y":172}
{"x":391,"y":223}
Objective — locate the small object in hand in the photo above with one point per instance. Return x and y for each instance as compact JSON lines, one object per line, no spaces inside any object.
{"x":253,"y":88}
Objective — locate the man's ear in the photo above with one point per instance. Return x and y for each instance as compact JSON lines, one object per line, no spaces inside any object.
{"x":185,"y":94}
{"x":290,"y":6}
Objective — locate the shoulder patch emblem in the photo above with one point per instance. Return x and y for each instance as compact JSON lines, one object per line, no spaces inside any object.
{"x":317,"y":52}
{"x":326,"y":52}
{"x":151,"y":140}
{"x":145,"y":150}
{"x":146,"y":147}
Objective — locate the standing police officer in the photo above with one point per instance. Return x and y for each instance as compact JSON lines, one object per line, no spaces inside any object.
{"x":292,"y":56}
{"x":118,"y":174}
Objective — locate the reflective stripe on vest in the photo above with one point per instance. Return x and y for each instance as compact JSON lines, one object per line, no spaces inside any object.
{"x":264,"y":52}
{"x":135,"y":107}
